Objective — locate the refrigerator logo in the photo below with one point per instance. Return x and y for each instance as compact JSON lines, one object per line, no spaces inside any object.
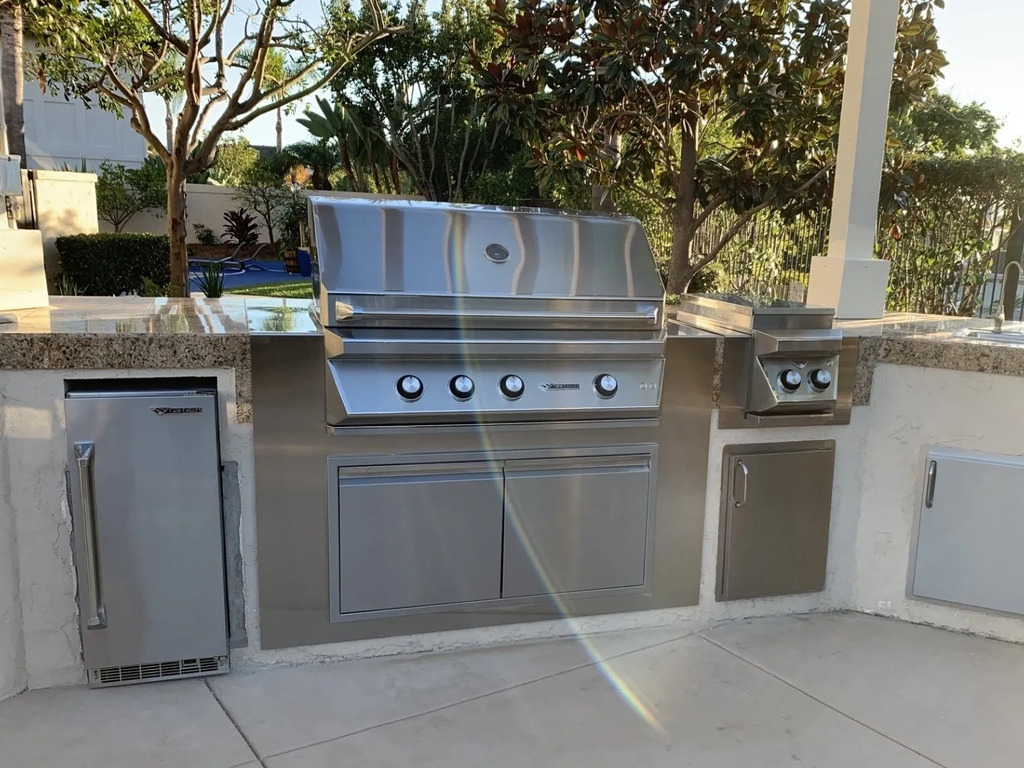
{"x":174,"y":411}
{"x":549,"y":387}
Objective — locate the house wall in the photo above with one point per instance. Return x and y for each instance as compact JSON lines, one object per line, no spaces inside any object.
{"x":63,"y":132}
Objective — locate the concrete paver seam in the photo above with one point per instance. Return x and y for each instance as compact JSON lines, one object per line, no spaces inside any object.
{"x":823,"y":703}
{"x":475,"y":698}
{"x":256,"y":755}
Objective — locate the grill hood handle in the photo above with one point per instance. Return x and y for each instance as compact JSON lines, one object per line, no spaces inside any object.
{"x":344,"y":311}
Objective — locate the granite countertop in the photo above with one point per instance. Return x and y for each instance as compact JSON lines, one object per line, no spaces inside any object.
{"x":107,"y":333}
{"x":932,"y":341}
{"x":127,"y":332}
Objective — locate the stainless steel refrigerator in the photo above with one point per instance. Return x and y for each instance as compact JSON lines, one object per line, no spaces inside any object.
{"x":144,"y":476}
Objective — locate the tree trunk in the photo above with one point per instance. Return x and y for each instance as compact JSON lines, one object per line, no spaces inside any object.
{"x":680,"y":271}
{"x":169,"y":121}
{"x":176,"y":228}
{"x":12,"y":70}
{"x":280,"y":131}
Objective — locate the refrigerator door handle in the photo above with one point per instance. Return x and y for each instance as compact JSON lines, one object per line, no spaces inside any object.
{"x":97,"y":618}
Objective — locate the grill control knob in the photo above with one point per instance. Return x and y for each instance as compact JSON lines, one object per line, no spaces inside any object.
{"x":462,"y":387}
{"x":820,"y":379}
{"x":606,"y":385}
{"x":410,"y":387}
{"x":511,"y":386}
{"x":790,"y":380}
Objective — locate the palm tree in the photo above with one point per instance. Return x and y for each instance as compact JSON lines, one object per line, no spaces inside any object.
{"x":279,"y":69}
{"x":12,"y":76}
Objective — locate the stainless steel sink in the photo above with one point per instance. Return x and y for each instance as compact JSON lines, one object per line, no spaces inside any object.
{"x":1001,"y":337}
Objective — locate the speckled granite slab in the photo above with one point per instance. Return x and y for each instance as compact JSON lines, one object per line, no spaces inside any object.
{"x":118,"y":333}
{"x":123,"y":333}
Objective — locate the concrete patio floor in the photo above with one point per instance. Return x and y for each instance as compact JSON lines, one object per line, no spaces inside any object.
{"x":831,"y":690}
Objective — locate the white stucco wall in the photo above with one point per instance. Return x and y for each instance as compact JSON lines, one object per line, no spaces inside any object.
{"x":45,"y":648}
{"x":876,"y":495}
{"x":207,"y":204}
{"x":912,"y":408}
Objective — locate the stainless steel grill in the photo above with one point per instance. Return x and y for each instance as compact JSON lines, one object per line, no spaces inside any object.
{"x":441,"y":313}
{"x":492,"y":392}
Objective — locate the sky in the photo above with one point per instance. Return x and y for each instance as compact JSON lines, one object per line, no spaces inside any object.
{"x":983,"y":40}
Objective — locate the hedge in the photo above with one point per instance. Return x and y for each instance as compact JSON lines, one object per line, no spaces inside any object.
{"x":109,"y":264}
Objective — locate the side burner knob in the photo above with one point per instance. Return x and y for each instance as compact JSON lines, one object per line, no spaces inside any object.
{"x":820,"y":379}
{"x":790,"y":380}
{"x":410,"y":387}
{"x":511,"y":386}
{"x":462,"y":387}
{"x":606,"y":385}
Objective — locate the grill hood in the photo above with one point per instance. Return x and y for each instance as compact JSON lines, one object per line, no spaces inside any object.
{"x":398,"y":263}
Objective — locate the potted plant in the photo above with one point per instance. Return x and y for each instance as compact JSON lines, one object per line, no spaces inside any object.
{"x":291,"y":234}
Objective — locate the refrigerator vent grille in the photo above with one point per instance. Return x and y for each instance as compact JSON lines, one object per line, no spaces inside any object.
{"x":138,"y":673}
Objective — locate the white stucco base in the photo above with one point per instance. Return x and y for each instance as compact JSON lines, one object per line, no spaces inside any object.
{"x":911,"y":409}
{"x":876,"y":495}
{"x":40,"y":645}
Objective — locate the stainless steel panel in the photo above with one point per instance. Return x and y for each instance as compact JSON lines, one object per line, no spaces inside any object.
{"x":745,"y":318}
{"x":417,"y":534}
{"x":577,"y":524}
{"x":292,"y":449}
{"x":452,"y":264}
{"x":969,"y":532}
{"x":776,"y":508}
{"x":736,"y":375}
{"x":365,"y":389}
{"x":155,"y":507}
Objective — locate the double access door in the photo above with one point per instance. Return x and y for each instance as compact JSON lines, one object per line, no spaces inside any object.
{"x":436,"y":530}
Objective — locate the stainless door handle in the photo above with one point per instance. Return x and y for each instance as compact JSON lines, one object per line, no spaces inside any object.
{"x":929,"y":491}
{"x":744,"y":474}
{"x":97,"y":614}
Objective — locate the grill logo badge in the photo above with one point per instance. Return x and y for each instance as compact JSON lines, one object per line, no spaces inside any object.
{"x":549,"y":387}
{"x":174,"y":411}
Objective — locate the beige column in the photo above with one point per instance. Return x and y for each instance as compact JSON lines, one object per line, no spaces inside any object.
{"x":849,"y":278}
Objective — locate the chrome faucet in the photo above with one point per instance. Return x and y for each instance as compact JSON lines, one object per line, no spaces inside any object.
{"x":1006,"y":305}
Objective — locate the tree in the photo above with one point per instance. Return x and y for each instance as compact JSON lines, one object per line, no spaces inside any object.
{"x":123,"y":192}
{"x":12,"y":76}
{"x":235,"y":157}
{"x":117,"y":51}
{"x":261,"y":189}
{"x":700,"y":105}
{"x":319,"y":157}
{"x":413,"y":104}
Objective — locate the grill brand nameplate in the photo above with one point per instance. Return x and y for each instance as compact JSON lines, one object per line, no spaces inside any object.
{"x":175,"y":411}
{"x":549,"y":387}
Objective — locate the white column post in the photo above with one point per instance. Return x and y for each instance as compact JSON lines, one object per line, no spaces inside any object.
{"x":849,"y":278}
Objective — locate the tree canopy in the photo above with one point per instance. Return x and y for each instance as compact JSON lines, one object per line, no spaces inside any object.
{"x":699,"y":105}
{"x":116,"y":52}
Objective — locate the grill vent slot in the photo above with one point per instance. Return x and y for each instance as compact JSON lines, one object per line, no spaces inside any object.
{"x":135,"y":673}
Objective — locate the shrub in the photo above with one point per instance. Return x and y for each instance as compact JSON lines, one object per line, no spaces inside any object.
{"x":204,"y":235}
{"x":240,"y":227}
{"x":111,"y":264}
{"x":123,"y":192}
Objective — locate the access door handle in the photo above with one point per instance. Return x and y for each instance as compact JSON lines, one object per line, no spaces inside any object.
{"x":741,"y":474}
{"x":97,"y":614}
{"x":929,"y":489}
